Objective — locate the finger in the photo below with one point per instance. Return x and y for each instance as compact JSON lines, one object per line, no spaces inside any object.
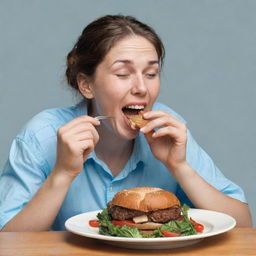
{"x":80,"y":120}
{"x":80,"y":128}
{"x":178,"y":135}
{"x":79,"y":147}
{"x":87,"y":135}
{"x":70,"y":139}
{"x":149,"y":137}
{"x":163,"y":121}
{"x":87,"y":147}
{"x":95,"y":135}
{"x":158,"y":113}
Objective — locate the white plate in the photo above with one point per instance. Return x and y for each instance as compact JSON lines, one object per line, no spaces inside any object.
{"x":214,"y":223}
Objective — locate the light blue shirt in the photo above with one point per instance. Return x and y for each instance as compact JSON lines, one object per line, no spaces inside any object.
{"x":33,"y":153}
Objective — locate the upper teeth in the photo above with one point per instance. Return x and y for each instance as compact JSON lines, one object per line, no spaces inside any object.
{"x":135,"y":107}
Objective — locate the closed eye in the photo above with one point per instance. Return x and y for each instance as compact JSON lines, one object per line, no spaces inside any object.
{"x":122,"y":75}
{"x":151,"y":75}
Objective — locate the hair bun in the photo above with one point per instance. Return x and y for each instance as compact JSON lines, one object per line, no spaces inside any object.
{"x":72,"y":57}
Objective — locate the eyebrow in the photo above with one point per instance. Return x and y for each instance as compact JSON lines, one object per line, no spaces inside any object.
{"x":151,"y":62}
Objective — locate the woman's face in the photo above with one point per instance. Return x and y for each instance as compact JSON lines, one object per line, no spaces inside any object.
{"x":127,"y":80}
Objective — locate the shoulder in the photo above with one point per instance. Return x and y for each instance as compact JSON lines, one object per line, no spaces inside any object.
{"x":163,"y":107}
{"x":46,"y":123}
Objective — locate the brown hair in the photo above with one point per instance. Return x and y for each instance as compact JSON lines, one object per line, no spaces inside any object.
{"x":99,"y":37}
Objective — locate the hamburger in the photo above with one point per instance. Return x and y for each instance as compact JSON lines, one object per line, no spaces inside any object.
{"x":145,"y":212}
{"x":147,"y":208}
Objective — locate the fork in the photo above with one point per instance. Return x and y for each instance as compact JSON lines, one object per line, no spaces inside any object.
{"x":103,"y":117}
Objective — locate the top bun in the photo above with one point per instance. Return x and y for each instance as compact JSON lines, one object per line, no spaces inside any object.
{"x":145,"y":199}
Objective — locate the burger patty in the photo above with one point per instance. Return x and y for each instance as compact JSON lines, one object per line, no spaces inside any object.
{"x":165,"y":215}
{"x":160,"y":216}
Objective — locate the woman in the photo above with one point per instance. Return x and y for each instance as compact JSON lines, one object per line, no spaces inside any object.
{"x":115,"y":65}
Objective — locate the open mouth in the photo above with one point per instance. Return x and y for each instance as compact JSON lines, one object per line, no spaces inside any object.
{"x":131,"y":112}
{"x":132,"y":109}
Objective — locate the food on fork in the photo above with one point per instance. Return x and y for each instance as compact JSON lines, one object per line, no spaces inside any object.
{"x":137,"y":121}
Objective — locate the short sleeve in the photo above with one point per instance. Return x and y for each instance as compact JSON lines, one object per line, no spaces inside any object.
{"x":22,"y":175}
{"x":204,"y":165}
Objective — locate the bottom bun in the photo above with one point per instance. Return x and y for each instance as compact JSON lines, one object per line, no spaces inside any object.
{"x":147,"y":232}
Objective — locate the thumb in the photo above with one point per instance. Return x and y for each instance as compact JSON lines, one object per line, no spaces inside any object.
{"x":149,"y":137}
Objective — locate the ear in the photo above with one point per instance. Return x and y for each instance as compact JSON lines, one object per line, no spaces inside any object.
{"x":85,"y":86}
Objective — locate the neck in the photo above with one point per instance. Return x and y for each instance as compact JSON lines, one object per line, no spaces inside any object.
{"x":113,"y":150}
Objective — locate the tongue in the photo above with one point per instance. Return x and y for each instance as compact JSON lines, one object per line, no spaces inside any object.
{"x":128,"y":111}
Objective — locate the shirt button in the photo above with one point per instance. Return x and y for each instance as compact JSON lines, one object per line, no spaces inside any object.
{"x":110,"y":189}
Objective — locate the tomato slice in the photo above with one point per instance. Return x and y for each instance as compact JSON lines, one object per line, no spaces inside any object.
{"x":122,"y":223}
{"x":94,"y":223}
{"x":198,"y":227}
{"x":180,"y":218}
{"x":167,"y":233}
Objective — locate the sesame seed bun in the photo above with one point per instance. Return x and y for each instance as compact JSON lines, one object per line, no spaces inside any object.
{"x":145,"y":199}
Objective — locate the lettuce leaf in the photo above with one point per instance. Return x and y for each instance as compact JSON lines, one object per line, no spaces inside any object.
{"x":107,"y":228}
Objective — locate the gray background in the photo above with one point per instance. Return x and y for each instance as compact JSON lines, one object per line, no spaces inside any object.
{"x":209,"y":74}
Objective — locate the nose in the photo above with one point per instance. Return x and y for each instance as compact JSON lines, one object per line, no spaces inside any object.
{"x":139,"y":87}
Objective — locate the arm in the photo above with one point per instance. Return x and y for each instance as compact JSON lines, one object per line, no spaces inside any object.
{"x":76,"y":140}
{"x":40,"y":212}
{"x":168,"y":144}
{"x":205,"y":196}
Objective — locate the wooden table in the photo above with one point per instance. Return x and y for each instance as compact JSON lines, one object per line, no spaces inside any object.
{"x":239,"y":241}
